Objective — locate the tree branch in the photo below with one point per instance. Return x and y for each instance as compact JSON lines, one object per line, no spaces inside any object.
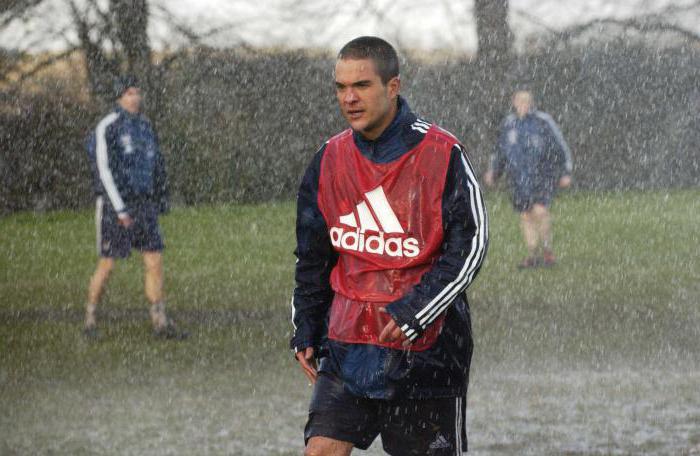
{"x":644,"y":26}
{"x":48,"y":61}
{"x":12,"y":10}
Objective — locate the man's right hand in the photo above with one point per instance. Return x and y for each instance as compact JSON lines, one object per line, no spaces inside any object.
{"x":488,"y":178}
{"x":565,"y":181}
{"x":308,"y":363}
{"x":125,"y":220}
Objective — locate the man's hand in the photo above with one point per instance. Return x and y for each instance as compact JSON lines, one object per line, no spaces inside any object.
{"x":488,"y":178}
{"x":392,"y":332}
{"x":163,"y":208}
{"x":308,"y":363}
{"x":565,"y":181}
{"x":125,"y":220}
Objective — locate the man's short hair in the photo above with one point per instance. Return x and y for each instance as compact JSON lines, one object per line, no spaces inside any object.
{"x":524,"y":89}
{"x":122,"y":83}
{"x":376,"y":49}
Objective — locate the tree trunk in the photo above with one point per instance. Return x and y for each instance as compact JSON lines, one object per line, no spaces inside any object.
{"x":100,"y":68}
{"x":494,"y":57}
{"x":131,"y":24}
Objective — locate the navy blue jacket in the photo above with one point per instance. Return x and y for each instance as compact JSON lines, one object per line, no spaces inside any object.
{"x":380,"y":372}
{"x":126,"y":161}
{"x":532,"y":152}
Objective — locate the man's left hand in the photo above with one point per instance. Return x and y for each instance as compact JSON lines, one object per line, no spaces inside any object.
{"x":125,"y":220}
{"x":565,"y":181}
{"x":392,"y":333}
{"x":307,"y":361}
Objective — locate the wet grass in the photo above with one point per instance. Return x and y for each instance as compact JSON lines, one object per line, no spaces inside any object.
{"x":228,"y":257}
{"x":625,"y":287}
{"x":598,"y":355}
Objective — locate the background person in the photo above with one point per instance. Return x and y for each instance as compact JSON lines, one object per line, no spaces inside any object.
{"x":391,"y":230}
{"x":131,"y":187}
{"x":533,"y":153}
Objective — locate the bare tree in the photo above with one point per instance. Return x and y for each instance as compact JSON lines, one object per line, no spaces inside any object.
{"x":13,"y":9}
{"x":495,"y":39}
{"x":667,"y":20}
{"x":114,"y":40}
{"x":112,"y":37}
{"x":99,"y":64}
{"x":494,"y":58}
{"x":131,"y":29}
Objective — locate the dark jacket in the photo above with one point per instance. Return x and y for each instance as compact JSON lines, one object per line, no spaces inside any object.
{"x":379,"y":372}
{"x":532,"y":152}
{"x":126,"y":162}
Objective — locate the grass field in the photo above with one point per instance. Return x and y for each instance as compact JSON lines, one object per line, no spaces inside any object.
{"x":598,"y":355}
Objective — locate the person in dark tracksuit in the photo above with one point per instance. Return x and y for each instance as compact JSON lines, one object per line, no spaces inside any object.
{"x":131,"y":188}
{"x":533,"y":153}
{"x":391,"y":230}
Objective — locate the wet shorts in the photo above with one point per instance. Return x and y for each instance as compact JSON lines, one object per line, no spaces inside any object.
{"x":433,"y":427}
{"x":115,"y":241}
{"x":524,"y":200}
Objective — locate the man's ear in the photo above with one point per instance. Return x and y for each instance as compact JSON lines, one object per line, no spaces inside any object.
{"x":394,"y":86}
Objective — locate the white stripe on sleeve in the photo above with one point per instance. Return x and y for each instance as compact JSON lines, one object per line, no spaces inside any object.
{"x":568,"y":164}
{"x":98,"y":224}
{"x":102,"y":159}
{"x":458,"y":426}
{"x":473,"y":260}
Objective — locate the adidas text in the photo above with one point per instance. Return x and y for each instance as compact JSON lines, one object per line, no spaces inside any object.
{"x":375,"y":243}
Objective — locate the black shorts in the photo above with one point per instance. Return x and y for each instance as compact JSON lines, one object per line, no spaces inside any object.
{"x":433,"y":427}
{"x":524,"y":200}
{"x":115,"y":241}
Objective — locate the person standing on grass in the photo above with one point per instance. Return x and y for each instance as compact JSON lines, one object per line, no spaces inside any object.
{"x":391,"y":230}
{"x":533,"y":153}
{"x":131,"y":188}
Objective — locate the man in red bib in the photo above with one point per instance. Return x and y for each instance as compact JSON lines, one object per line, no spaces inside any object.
{"x":391,"y":230}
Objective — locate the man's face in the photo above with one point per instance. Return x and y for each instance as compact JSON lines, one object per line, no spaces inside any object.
{"x":522,"y":101}
{"x":366,"y":103}
{"x":131,"y":100}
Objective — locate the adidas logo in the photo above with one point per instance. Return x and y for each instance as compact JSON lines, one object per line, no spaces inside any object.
{"x":420,"y":125}
{"x":377,"y":216}
{"x":440,"y":442}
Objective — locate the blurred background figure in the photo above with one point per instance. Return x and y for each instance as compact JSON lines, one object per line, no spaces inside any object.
{"x":131,"y":188}
{"x":533,"y":153}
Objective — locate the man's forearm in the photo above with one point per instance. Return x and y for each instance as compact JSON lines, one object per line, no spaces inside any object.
{"x":465,"y":243}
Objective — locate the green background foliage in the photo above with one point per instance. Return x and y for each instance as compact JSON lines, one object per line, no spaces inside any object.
{"x":240,"y":127}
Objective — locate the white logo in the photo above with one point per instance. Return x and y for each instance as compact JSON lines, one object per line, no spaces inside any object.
{"x":420,"y":125}
{"x":512,"y":136}
{"x":385,"y":223}
{"x":536,"y":141}
{"x":126,"y":142}
{"x":440,"y":442}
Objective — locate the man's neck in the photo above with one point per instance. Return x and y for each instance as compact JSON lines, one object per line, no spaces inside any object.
{"x":392,"y":116}
{"x":128,"y":111}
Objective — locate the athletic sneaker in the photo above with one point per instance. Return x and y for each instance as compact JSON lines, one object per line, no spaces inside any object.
{"x":528,"y":262}
{"x":170,"y":331}
{"x":91,"y":333}
{"x":548,"y":258}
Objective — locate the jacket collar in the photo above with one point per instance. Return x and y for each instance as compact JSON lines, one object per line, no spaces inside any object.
{"x":397,"y":139}
{"x":119,"y":110}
